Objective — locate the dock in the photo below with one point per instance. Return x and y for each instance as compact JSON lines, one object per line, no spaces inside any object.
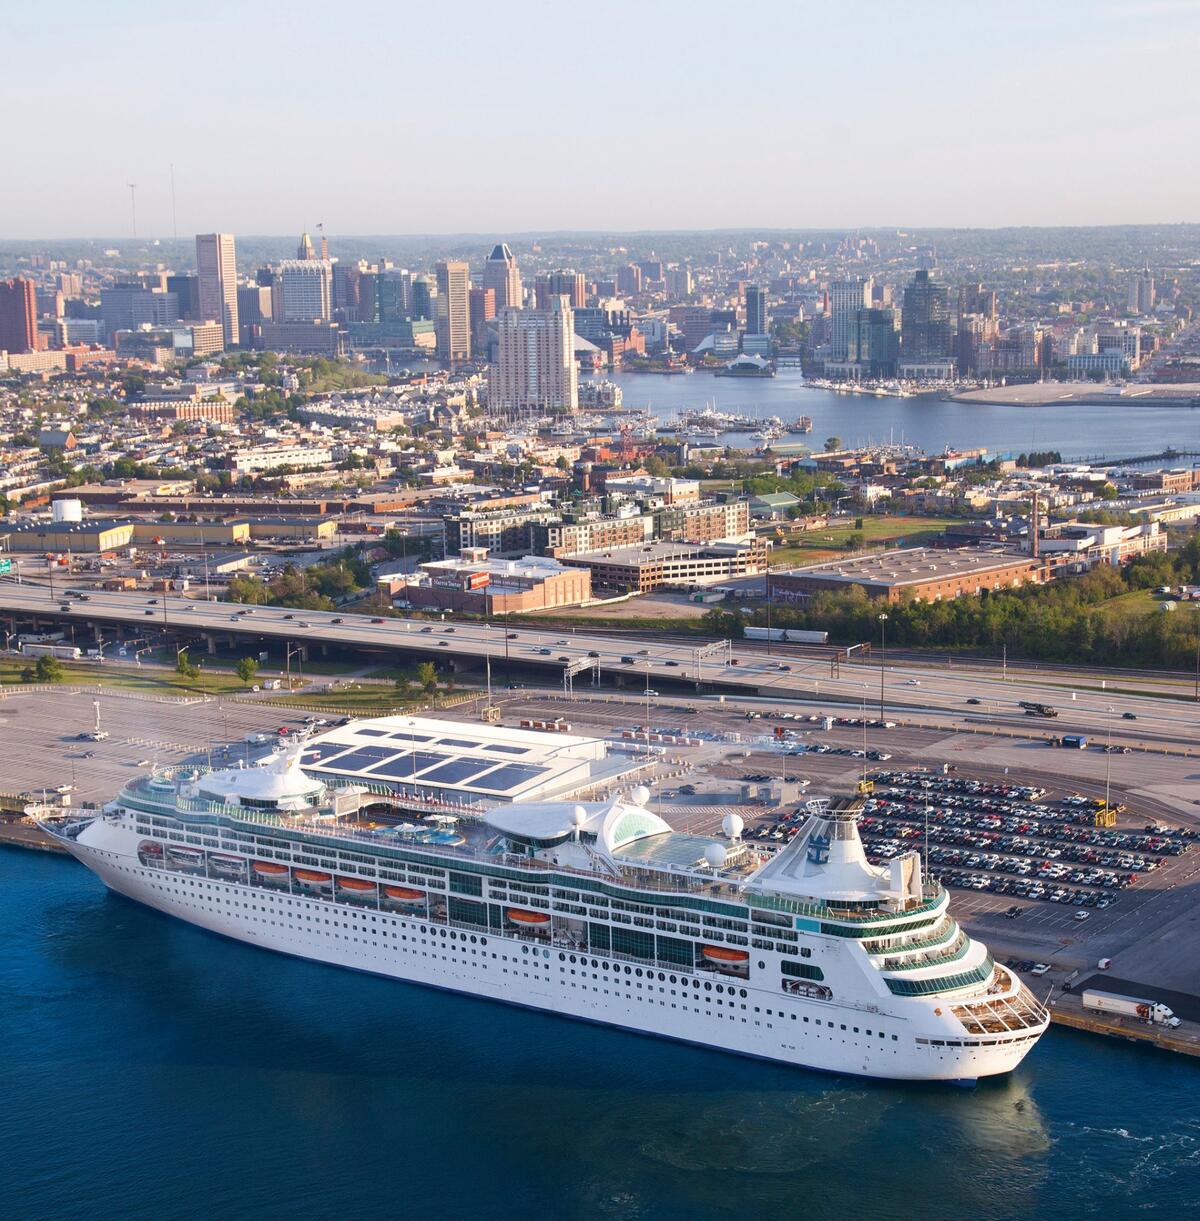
{"x":1067,"y":1010}
{"x":19,"y":834}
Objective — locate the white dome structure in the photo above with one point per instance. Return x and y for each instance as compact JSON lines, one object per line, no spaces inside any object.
{"x":733,"y":825}
{"x":715,"y":855}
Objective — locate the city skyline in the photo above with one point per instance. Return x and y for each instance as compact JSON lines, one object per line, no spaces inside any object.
{"x":979,"y":119}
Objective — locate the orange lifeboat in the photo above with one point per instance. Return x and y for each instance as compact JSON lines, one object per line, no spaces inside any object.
{"x":359,"y":887}
{"x":404,"y":896}
{"x":309,"y":877}
{"x":526,"y":919}
{"x":725,"y":957}
{"x":271,"y":871}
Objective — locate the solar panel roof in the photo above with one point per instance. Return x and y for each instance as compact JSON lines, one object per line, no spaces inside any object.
{"x":506,"y":750}
{"x":457,"y":771}
{"x":406,"y":766}
{"x":510,"y":776}
{"x":463,"y":742}
{"x":323,"y":750}
{"x":364,"y":757}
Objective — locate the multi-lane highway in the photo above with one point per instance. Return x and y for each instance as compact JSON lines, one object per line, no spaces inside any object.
{"x":637,"y":662}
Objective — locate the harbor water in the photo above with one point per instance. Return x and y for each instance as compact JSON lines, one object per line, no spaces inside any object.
{"x":1122,"y":428}
{"x":152,"y":1070}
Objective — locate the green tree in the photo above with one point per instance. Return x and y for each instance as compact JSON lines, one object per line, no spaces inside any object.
{"x":246,"y":669}
{"x":48,"y":670}
{"x":185,"y":666}
{"x":832,"y":444}
{"x":427,"y":677}
{"x":404,"y":687}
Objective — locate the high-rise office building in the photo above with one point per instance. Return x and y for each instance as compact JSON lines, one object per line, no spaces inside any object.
{"x":846,"y":298}
{"x":424,"y":298}
{"x":758,"y":320}
{"x":535,"y":369}
{"x":126,"y":307}
{"x":483,"y":310}
{"x":305,"y":249}
{"x":18,"y":316}
{"x":303,"y":291}
{"x":629,"y":280}
{"x":254,"y":308}
{"x":1142,"y":293}
{"x":926,"y":333}
{"x":453,"y":312}
{"x":569,"y":284}
{"x":874,"y":341}
{"x":216,"y":268}
{"x":501,"y":274}
{"x":187,"y":294}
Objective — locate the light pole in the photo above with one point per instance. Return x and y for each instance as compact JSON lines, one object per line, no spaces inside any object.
{"x":1108,"y":760}
{"x":882,"y":617}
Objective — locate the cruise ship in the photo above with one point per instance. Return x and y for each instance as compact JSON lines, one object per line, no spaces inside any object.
{"x":808,"y":956}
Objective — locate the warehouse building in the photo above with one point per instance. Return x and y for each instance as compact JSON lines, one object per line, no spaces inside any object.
{"x":922,"y":573}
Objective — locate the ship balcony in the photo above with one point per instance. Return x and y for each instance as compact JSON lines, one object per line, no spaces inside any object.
{"x":999,"y":1014}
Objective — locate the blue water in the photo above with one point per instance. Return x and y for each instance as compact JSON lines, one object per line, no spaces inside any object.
{"x":1118,"y":429}
{"x":150,"y":1070}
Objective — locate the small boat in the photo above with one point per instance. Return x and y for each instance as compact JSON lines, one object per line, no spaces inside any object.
{"x":226,"y":866}
{"x":404,"y":896}
{"x":270,"y":871}
{"x":725,"y":957}
{"x":150,"y":853}
{"x":185,"y":858}
{"x":313,"y":880}
{"x":527,"y":919}
{"x":356,"y":888}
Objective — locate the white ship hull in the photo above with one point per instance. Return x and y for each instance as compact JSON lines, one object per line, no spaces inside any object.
{"x":725,"y":1014}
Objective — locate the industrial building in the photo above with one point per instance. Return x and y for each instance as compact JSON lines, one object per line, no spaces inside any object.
{"x":474,"y":582}
{"x":922,"y":573}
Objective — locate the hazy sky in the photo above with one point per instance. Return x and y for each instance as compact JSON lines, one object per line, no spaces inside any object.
{"x":518,"y":115}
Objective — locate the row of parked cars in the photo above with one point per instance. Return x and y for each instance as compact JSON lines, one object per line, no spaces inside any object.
{"x":1093,"y":845}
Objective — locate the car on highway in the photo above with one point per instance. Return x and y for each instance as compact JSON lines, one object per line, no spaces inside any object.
{"x":443,"y":644}
{"x":593,"y":653}
{"x":147,"y":612}
{"x":973,"y":700}
{"x":912,"y":682}
{"x":377,"y":619}
{"x":671,"y":663}
{"x":426,"y":630}
{"x":627,"y":661}
{"x":339,"y":619}
{"x":513,"y":636}
{"x":1129,"y":716}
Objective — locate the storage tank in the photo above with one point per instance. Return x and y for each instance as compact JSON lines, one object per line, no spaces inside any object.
{"x":67,"y":510}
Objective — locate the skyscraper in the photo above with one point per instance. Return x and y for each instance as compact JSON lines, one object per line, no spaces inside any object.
{"x":536,"y":366}
{"x":846,"y":298}
{"x":483,"y":310}
{"x":925,"y":330}
{"x":758,"y":321}
{"x":303,"y":291}
{"x":304,"y":250}
{"x":501,"y":274}
{"x":569,"y":284}
{"x":453,"y":312}
{"x":18,"y":316}
{"x":1142,"y":293}
{"x":216,"y":266}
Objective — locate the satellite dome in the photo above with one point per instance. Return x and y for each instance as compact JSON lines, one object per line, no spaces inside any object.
{"x":733,"y":825}
{"x":714,"y":854}
{"x":640,"y":795}
{"x":578,"y":816}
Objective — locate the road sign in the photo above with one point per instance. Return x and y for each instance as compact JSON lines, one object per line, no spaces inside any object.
{"x":5,"y":566}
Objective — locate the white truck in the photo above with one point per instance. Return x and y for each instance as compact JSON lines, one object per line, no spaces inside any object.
{"x":1151,"y":1012}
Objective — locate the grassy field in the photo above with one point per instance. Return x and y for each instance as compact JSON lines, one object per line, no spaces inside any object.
{"x":816,"y":546}
{"x":373,"y":700}
{"x":1133,"y":606}
{"x":150,"y":679}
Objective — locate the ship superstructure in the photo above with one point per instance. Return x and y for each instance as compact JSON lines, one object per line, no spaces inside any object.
{"x":810,"y":956}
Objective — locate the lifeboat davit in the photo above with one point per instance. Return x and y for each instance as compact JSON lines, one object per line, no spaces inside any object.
{"x":189,"y":857}
{"x":404,"y":896}
{"x":230,"y":866}
{"x":310,"y":877}
{"x":725,"y":957}
{"x":527,"y":919}
{"x":359,"y":887}
{"x":149,"y":847}
{"x":271,"y":871}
